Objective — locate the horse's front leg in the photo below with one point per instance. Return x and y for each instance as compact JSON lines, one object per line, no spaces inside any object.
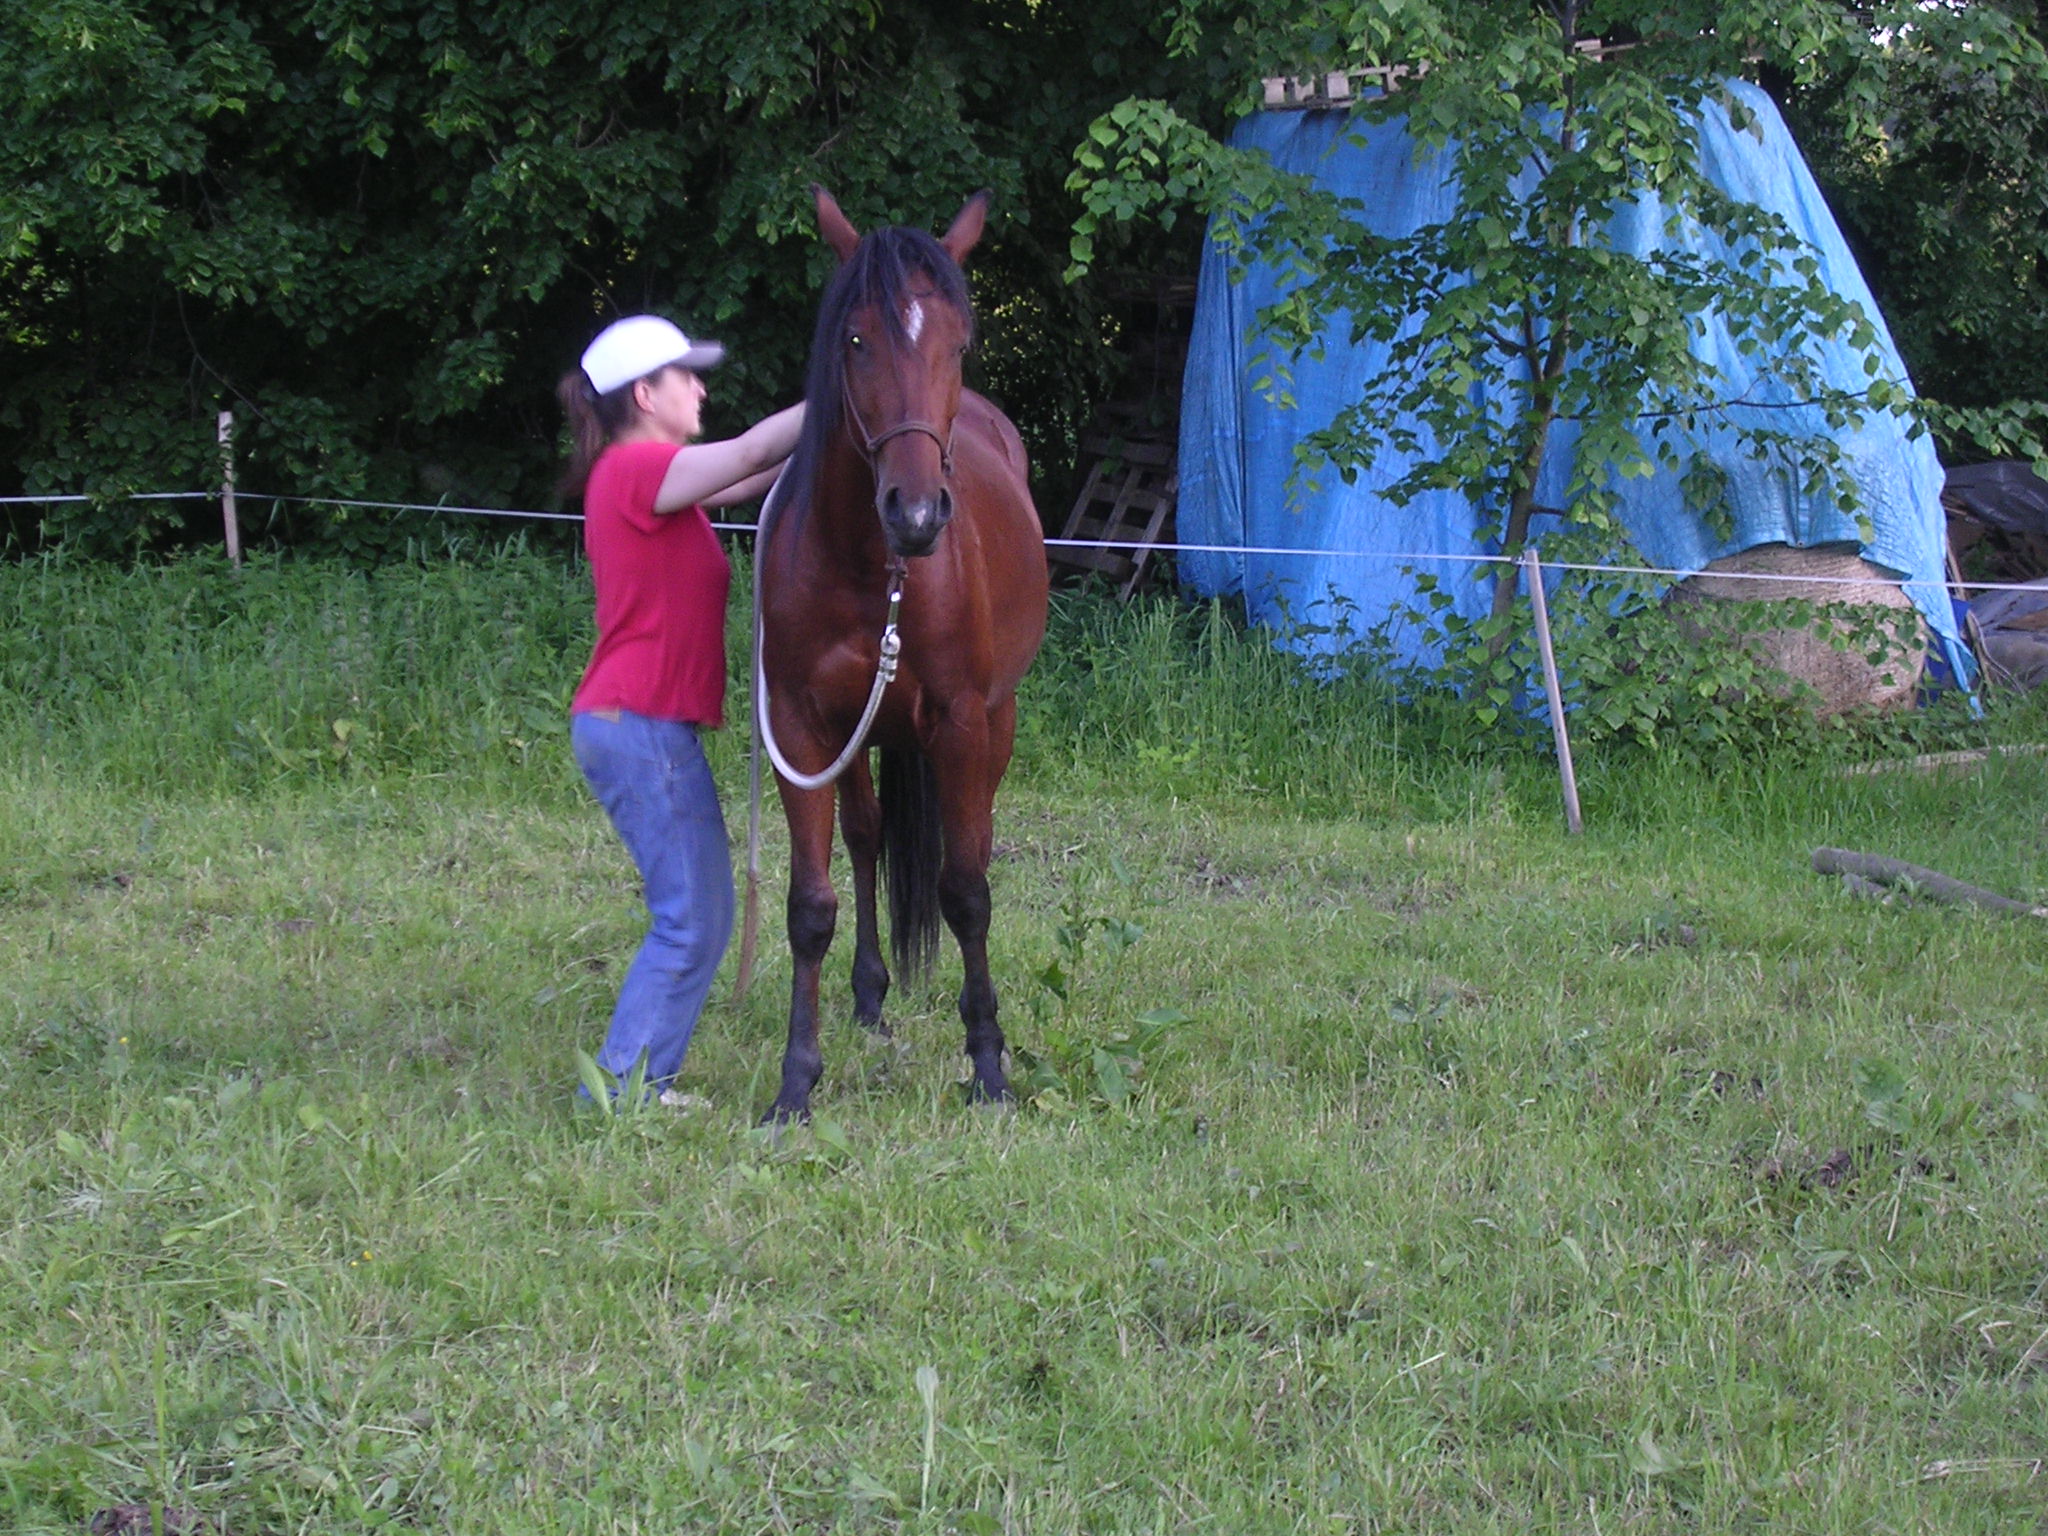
{"x":860,"y":823}
{"x":812,"y":915}
{"x":968,"y":768}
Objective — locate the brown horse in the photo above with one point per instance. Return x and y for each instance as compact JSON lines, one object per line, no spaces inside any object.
{"x":904,"y":486}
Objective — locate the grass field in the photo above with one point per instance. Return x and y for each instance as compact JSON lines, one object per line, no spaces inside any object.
{"x":1399,"y":1164}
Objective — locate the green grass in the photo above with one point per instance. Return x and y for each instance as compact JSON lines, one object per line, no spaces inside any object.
{"x":1490,"y":1180}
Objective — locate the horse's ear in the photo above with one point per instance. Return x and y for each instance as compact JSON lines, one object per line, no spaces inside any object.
{"x":833,"y":225}
{"x":965,"y":230}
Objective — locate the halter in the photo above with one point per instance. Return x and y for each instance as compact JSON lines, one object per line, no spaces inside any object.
{"x":871,"y":444}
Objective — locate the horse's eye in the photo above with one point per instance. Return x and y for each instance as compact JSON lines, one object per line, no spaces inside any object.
{"x":856,"y":341}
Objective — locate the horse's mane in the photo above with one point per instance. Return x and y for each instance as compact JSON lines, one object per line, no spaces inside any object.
{"x":880,"y":272}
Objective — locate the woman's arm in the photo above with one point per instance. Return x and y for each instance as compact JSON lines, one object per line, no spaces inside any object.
{"x":704,"y":470}
{"x":746,"y":490}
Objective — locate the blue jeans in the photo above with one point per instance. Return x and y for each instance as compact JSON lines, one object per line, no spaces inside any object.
{"x":653,"y":781}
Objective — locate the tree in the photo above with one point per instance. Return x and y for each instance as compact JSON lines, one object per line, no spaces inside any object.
{"x":1933,"y":143}
{"x":379,"y":229}
{"x":1548,"y":145}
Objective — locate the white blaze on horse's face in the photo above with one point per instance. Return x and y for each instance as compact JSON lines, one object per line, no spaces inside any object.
{"x":913,"y":320}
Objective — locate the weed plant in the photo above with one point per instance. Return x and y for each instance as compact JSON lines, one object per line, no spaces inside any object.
{"x":291,"y":672}
{"x":286,"y":671}
{"x":1640,"y":664}
{"x":1389,"y":1161}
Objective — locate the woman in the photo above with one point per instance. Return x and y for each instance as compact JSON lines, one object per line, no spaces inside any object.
{"x":657,"y":674}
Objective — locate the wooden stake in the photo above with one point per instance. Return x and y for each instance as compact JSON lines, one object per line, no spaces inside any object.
{"x":1973,"y":632}
{"x":1532,"y":569}
{"x":229,"y":524}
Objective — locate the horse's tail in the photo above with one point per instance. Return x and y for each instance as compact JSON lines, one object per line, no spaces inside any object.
{"x":911,"y":852}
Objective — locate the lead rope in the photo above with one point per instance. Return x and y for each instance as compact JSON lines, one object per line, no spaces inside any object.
{"x":885,"y":674}
{"x":764,"y":735}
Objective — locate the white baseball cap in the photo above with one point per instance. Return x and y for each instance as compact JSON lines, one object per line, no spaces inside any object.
{"x":638,"y":345}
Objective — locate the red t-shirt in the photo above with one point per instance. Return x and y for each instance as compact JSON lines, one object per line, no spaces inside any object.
{"x":661,"y":582}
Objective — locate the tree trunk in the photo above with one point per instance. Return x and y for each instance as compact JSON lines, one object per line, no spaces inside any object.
{"x":1521,"y":507}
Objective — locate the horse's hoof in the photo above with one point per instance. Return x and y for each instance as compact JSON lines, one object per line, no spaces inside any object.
{"x":781,"y":1114}
{"x":983,"y":1094}
{"x":878,"y":1027}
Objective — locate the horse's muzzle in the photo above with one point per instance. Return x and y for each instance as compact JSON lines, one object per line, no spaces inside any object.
{"x":912,"y":525}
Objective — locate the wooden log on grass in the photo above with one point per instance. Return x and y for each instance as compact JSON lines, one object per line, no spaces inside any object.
{"x":1861,"y":871}
{"x":1927,"y":762}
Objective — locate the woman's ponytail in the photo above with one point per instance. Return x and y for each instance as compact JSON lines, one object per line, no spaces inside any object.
{"x":594,"y":420}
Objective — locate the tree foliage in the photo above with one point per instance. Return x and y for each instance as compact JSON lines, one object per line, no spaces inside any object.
{"x":1513,"y":313}
{"x":1933,"y":143}
{"x":378,"y":230}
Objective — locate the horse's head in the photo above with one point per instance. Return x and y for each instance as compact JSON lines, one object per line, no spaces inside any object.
{"x":891,"y":335}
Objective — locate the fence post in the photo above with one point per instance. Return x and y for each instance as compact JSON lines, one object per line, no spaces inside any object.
{"x":1973,"y":632}
{"x":1532,"y":569}
{"x":229,"y":525}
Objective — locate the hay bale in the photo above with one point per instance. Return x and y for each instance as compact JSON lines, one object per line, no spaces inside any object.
{"x":1843,"y":678}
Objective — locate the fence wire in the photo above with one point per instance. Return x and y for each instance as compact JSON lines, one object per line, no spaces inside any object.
{"x":1424,"y":557}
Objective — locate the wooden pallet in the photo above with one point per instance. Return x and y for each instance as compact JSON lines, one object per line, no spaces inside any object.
{"x":1127,"y":500}
{"x":1340,"y":88}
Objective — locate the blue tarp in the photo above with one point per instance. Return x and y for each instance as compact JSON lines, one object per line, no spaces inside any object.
{"x":1238,"y":449}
